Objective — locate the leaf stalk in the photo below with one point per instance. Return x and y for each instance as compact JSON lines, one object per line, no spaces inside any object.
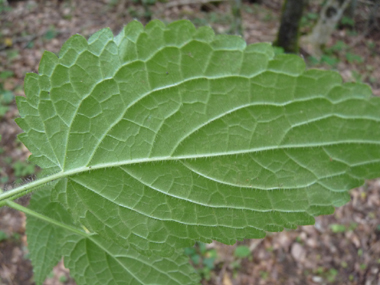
{"x":46,"y":219}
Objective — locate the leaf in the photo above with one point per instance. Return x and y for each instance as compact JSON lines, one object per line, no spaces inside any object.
{"x":165,"y":135}
{"x":90,"y":258}
{"x":45,"y":239}
{"x":242,"y":251}
{"x":96,"y":261}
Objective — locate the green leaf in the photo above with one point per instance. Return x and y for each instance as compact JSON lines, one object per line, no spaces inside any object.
{"x":242,"y":251}
{"x":90,"y":258}
{"x":96,"y":261}
{"x":336,"y":228}
{"x":6,"y":74}
{"x":352,"y":58}
{"x":165,"y":135}
{"x":3,"y":235}
{"x":45,"y":239}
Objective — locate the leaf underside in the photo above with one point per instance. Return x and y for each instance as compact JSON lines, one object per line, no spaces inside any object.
{"x":165,"y":135}
{"x":93,"y":260}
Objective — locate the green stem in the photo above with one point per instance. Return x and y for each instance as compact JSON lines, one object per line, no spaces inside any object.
{"x":46,"y":219}
{"x":27,"y":188}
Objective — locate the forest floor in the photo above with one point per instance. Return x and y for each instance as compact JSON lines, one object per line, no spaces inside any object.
{"x":343,"y":248}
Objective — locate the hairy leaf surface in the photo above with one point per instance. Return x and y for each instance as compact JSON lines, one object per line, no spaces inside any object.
{"x":165,"y":135}
{"x":90,"y":258}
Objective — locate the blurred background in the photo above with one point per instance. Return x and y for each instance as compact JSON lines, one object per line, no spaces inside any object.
{"x":341,"y":35}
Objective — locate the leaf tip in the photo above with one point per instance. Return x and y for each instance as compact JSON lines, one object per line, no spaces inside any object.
{"x":47,"y":64}
{"x":154,"y":24}
{"x":131,"y":31}
{"x":77,"y":43}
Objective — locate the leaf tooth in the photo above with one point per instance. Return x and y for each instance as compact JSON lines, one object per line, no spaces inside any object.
{"x":77,"y":43}
{"x":48,"y":63}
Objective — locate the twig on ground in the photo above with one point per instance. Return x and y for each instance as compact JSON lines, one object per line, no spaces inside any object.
{"x":28,"y":39}
{"x":189,"y":2}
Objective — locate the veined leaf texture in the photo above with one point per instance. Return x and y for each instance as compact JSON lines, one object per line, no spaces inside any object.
{"x":167,"y":135}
